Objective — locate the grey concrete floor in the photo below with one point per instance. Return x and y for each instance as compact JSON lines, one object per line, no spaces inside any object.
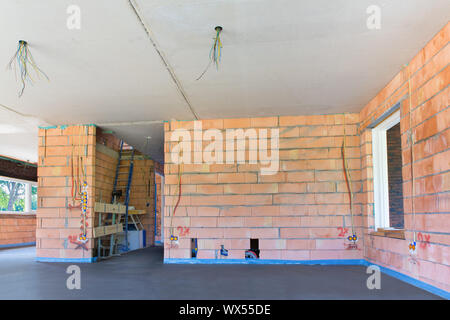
{"x":142,"y":275}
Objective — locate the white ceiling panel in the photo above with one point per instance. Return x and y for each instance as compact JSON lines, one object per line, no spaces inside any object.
{"x":284,"y":57}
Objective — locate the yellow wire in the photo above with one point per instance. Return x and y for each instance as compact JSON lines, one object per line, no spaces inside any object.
{"x":349,"y":178}
{"x":411,"y":139}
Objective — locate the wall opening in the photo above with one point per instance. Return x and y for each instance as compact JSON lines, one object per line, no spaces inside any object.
{"x":387,"y":173}
{"x":253,"y":253}
{"x":395,"y":179}
{"x":194,"y":247}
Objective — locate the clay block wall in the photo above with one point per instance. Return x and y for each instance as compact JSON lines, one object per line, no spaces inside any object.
{"x":158,"y":207}
{"x":142,"y":194}
{"x":58,"y":214}
{"x":106,"y":154}
{"x":395,"y":177}
{"x":62,"y":150}
{"x":301,"y":212}
{"x":16,"y":229}
{"x":430,"y":117}
{"x":142,"y":185}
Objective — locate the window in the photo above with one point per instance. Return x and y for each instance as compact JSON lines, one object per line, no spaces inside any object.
{"x":387,"y":173}
{"x":17,"y":196}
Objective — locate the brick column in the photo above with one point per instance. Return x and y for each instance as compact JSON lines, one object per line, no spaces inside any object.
{"x":66,"y":158}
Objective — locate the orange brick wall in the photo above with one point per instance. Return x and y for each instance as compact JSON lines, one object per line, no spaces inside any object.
{"x":56,"y":220}
{"x":105,"y":166}
{"x":298,"y":213}
{"x":430,"y":75}
{"x":158,"y":207}
{"x":142,"y":194}
{"x":16,"y":229}
{"x":58,"y":148}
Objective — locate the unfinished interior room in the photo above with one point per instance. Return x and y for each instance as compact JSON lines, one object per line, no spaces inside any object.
{"x":224,"y":150}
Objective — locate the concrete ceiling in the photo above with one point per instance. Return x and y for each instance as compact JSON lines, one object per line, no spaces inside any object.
{"x":279,"y":58}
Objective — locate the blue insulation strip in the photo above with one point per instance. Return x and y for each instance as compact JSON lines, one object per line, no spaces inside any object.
{"x":349,"y":262}
{"x":417,"y":283}
{"x":64,"y":126}
{"x":66,"y":260}
{"x":14,"y":245}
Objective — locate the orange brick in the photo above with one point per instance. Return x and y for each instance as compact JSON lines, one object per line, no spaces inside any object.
{"x":258,"y":221}
{"x":293,"y":120}
{"x":204,"y":222}
{"x":230,"y":222}
{"x":237,"y":177}
{"x":235,"y":211}
{"x":236,"y":123}
{"x":264,"y":122}
{"x":210,"y":189}
{"x":237,"y":188}
{"x":265,"y":211}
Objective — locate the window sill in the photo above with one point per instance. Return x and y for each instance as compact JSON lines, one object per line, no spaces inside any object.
{"x":389,"y":233}
{"x":14,"y":213}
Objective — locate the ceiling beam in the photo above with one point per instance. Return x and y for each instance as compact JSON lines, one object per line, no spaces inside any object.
{"x":18,"y":169}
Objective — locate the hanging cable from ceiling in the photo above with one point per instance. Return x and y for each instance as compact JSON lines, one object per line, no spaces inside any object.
{"x":215,"y":53}
{"x":23,"y":62}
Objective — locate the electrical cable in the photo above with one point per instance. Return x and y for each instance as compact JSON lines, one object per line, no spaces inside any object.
{"x":411,"y":141}
{"x":22,"y":62}
{"x":348,"y":181}
{"x":172,"y":237}
{"x":215,"y":53}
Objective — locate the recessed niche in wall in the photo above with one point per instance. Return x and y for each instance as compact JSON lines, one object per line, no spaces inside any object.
{"x":194,"y":248}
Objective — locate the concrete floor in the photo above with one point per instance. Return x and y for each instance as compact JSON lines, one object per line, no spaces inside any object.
{"x":142,"y":275}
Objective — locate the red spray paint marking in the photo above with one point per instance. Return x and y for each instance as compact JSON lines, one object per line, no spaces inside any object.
{"x":342,"y":231}
{"x":424,"y":240}
{"x":73,"y":240}
{"x":183,"y":231}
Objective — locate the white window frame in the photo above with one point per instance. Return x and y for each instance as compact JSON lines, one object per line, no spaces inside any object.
{"x":28,"y":185}
{"x":380,"y":170}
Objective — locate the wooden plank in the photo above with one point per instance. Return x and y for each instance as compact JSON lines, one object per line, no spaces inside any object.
{"x":399,"y":234}
{"x":99,"y":207}
{"x":135,"y":211}
{"x":122,"y":209}
{"x":107,"y":230}
{"x":99,"y":231}
{"x":109,"y":208}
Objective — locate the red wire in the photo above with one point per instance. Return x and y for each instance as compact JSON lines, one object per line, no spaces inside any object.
{"x":179,"y":197}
